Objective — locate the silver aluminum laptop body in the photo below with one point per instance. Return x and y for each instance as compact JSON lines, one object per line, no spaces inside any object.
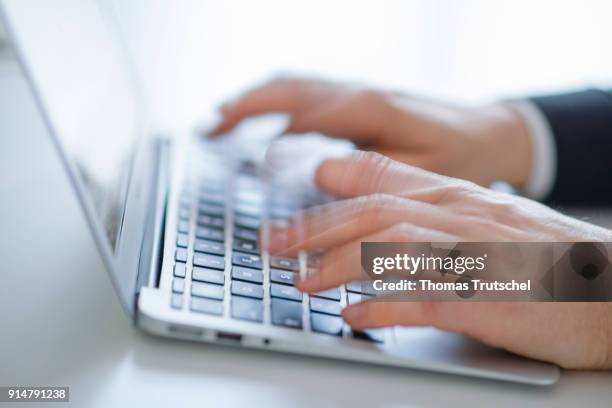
{"x":153,"y":204}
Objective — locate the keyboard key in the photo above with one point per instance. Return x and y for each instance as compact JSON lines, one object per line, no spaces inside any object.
{"x":373,"y":335}
{"x":183,"y":226}
{"x":279,"y":225}
{"x":181,"y":255}
{"x":182,"y":240}
{"x":357,"y":297}
{"x":247,"y":274}
{"x":211,"y":209}
{"x":210,"y":221}
{"x":214,"y":191}
{"x":360,"y":287}
{"x":209,"y":261}
{"x":354,"y":287}
{"x":246,"y":181}
{"x":285,"y":292}
{"x":284,"y":277}
{"x":210,"y":233}
{"x":286,"y":313}
{"x":248,"y":260}
{"x":212,"y":204}
{"x":246,"y":246}
{"x":245,"y":233}
{"x":284,"y":263}
{"x":249,"y":197}
{"x":207,"y":290}
{"x":247,"y":222}
{"x":247,"y":289}
{"x":248,"y":210}
{"x":325,"y":306}
{"x":326,"y":324}
{"x":213,"y":199}
{"x":331,"y":294}
{"x":208,"y":306}
{"x":283,"y":202}
{"x":176,"y":301}
{"x":280,"y":213}
{"x":185,"y":202}
{"x":247,"y":309}
{"x":184,"y":214}
{"x":178,"y":285}
{"x":209,"y":247}
{"x":179,"y":270}
{"x":208,"y":275}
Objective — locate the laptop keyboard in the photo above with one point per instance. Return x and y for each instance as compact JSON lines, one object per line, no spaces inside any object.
{"x":220,"y":270}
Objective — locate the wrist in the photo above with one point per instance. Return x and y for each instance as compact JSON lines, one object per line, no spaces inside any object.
{"x":507,"y":144}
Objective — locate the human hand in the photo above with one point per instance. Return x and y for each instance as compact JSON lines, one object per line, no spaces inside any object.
{"x":387,"y":201}
{"x":482,"y":145}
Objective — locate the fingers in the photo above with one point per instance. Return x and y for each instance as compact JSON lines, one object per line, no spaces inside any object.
{"x":363,"y":116}
{"x":369,"y":173}
{"x":343,"y":221}
{"x":374,"y":314}
{"x":343,"y":264}
{"x":422,"y":159}
{"x":337,"y":110}
{"x":489,"y":326}
{"x":278,"y":96}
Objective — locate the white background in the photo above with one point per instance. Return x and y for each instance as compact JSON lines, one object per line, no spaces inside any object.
{"x":193,"y":53}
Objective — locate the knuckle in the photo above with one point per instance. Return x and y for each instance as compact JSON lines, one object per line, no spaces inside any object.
{"x":457,"y":190}
{"x":483,"y":224}
{"x":433,"y":195}
{"x":503,"y":209}
{"x":463,"y":188}
{"x":496,"y":209}
{"x":373,"y":159}
{"x":373,"y":171}
{"x":374,"y":206}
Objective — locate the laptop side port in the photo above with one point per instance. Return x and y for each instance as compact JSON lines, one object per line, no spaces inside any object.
{"x":229,"y":338}
{"x":185,"y":331}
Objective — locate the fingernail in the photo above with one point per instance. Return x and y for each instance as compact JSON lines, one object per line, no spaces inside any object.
{"x":353,"y":313}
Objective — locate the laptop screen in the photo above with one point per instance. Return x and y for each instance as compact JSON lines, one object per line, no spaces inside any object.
{"x":79,"y":67}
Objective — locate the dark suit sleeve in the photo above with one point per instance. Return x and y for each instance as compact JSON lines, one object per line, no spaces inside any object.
{"x":581,"y":124}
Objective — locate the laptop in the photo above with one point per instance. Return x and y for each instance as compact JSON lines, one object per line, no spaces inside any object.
{"x":176,"y":220}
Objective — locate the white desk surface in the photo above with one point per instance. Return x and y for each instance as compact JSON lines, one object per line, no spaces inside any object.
{"x":61,"y":324}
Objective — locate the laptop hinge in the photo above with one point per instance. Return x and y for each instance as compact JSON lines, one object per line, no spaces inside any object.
{"x":149,"y":267}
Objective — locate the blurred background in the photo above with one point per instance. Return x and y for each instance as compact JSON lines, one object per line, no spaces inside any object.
{"x":191,"y":54}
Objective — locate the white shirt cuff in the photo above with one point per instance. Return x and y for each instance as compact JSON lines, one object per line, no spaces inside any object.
{"x":544,"y":152}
